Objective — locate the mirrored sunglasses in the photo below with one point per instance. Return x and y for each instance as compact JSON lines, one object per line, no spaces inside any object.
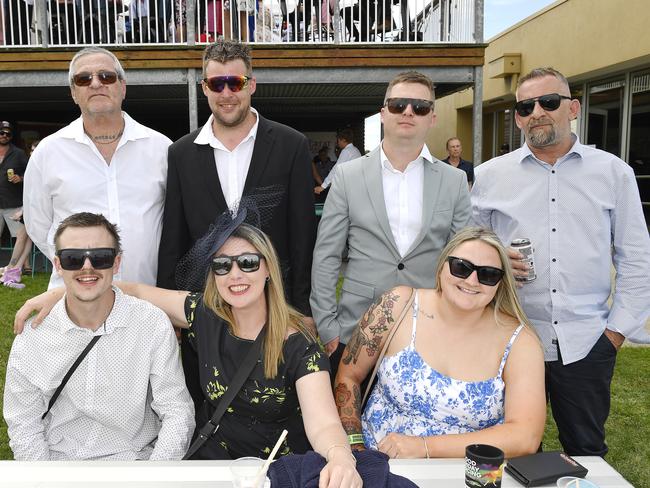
{"x":462,"y":268}
{"x":104,"y":77}
{"x":74,"y":259}
{"x":235,"y":83}
{"x":247,"y":262}
{"x":548,"y":102}
{"x":419,"y":106}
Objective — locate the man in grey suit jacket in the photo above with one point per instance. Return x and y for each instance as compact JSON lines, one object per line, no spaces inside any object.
{"x":394,"y":208}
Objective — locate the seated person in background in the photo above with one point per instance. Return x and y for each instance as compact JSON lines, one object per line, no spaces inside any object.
{"x":463,"y":367}
{"x":127,"y":398}
{"x":243,"y":294}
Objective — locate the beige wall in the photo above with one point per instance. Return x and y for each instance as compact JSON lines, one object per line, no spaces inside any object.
{"x":584,"y":39}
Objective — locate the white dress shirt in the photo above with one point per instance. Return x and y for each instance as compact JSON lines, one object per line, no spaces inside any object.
{"x":581,"y":214}
{"x":403,"y":196}
{"x":348,"y":153}
{"x":232,"y":166}
{"x":126,"y":400}
{"x":66,"y":174}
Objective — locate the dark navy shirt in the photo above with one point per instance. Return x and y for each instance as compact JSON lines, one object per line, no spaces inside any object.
{"x":467,"y":167}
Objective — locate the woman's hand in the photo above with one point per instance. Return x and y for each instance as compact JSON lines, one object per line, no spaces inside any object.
{"x":400,"y":446}
{"x":42,"y":304}
{"x":340,"y":471}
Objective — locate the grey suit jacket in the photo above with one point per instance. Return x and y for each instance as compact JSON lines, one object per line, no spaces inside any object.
{"x":355,"y":213}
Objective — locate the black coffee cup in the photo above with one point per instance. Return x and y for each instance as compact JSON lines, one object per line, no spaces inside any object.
{"x":483,"y":466}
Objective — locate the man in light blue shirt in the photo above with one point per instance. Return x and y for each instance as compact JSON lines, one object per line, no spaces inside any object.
{"x":349,"y":152}
{"x":580,"y":208}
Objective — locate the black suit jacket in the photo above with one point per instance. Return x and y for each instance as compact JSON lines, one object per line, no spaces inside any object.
{"x":194,"y":199}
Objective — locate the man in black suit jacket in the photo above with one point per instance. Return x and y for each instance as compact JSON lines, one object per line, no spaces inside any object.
{"x":236,"y":152}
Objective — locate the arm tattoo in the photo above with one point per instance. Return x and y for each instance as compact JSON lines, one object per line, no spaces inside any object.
{"x":369,"y":332}
{"x":348,"y":404}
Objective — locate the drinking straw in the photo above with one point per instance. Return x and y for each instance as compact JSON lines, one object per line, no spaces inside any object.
{"x":263,"y":469}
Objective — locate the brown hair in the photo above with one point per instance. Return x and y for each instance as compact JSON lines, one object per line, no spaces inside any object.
{"x":87,"y":219}
{"x":541,"y":73}
{"x":280,"y":315}
{"x":346,"y":134}
{"x":225,"y":50}
{"x":411,"y":77}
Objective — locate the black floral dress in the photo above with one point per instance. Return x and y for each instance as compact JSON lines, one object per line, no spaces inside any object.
{"x":263,"y":407}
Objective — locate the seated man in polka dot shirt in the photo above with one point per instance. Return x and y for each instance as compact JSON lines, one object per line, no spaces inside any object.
{"x":127,"y":398}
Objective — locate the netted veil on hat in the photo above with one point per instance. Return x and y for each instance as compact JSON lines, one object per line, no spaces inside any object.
{"x":255,"y":209}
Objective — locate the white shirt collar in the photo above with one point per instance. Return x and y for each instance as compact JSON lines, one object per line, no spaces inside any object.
{"x":132,"y":130}
{"x":66,"y":323}
{"x":424,"y":155}
{"x":206,"y":135}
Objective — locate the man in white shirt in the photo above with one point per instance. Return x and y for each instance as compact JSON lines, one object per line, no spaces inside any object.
{"x":237,"y":152}
{"x":349,"y":152}
{"x":581,"y":210}
{"x":127,"y":398}
{"x":103,"y":162}
{"x":394,"y":208}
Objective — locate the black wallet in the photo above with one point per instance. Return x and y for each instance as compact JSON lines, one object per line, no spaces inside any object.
{"x":544,"y":468}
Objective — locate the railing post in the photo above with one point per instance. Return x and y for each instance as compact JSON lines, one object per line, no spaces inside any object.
{"x":337,"y":22}
{"x":191,"y":96}
{"x":190,"y":24}
{"x":477,"y":116}
{"x":40,"y":11}
{"x":478,"y":21}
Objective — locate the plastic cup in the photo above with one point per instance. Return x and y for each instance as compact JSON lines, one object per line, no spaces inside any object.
{"x":244,"y":473}
{"x":573,"y":482}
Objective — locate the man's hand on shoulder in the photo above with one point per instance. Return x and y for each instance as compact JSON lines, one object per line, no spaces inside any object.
{"x":331,"y":346}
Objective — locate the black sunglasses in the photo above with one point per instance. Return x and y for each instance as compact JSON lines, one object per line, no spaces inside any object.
{"x":462,"y":268}
{"x":104,"y":77}
{"x":74,"y":259}
{"x":419,"y":106}
{"x":235,"y":83}
{"x":5,"y":133}
{"x":548,"y":102}
{"x":247,"y":262}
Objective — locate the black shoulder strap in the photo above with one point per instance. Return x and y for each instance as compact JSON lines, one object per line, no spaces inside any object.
{"x":243,"y":373}
{"x":69,"y":374}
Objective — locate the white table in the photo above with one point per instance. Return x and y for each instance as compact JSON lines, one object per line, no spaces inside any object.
{"x":432,"y":473}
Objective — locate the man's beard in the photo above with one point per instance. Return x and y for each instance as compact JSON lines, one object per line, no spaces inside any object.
{"x":5,"y":142}
{"x":545,"y":136}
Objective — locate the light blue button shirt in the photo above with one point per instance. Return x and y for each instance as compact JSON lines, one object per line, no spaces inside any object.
{"x":581,"y":214}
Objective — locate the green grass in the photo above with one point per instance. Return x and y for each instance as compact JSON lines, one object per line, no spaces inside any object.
{"x":628,"y":427}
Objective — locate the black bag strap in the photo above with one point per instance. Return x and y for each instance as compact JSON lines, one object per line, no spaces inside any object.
{"x":69,"y":374}
{"x":243,"y":373}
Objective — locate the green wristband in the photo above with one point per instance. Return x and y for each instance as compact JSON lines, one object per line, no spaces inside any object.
{"x":355,"y":439}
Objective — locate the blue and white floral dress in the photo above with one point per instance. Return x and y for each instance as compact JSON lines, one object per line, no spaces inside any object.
{"x":412,"y":398}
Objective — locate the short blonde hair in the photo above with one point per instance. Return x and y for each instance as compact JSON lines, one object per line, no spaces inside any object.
{"x":505,"y":301}
{"x":280,"y":315}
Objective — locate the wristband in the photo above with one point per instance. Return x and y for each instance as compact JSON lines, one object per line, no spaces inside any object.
{"x":355,"y":439}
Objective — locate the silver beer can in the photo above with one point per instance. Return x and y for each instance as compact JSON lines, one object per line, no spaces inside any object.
{"x":526,"y":248}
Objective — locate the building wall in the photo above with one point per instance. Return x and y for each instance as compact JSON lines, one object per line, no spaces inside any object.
{"x":584,"y":39}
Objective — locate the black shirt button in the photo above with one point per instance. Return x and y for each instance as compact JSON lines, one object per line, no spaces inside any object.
{"x":553,"y":229}
{"x":552,"y":199}
{"x":553,"y":171}
{"x":553,"y":259}
{"x":554,"y":290}
{"x":555,"y":322}
{"x":400,"y":266}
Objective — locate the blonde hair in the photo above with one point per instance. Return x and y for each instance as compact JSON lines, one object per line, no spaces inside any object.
{"x":280,"y":315}
{"x":505,"y":300}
